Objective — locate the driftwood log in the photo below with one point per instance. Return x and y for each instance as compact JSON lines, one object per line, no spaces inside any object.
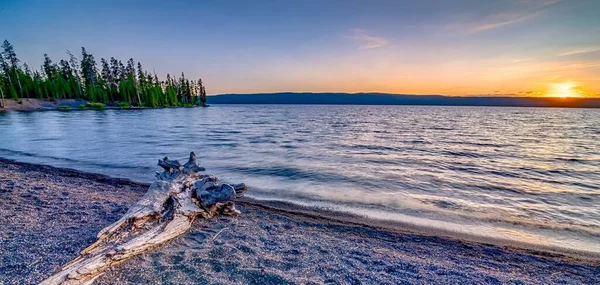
{"x":166,"y":211}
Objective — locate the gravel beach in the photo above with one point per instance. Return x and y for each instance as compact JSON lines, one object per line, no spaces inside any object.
{"x":47,"y":215}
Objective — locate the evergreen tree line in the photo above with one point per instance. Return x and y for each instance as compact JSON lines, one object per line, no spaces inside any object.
{"x":111,"y":83}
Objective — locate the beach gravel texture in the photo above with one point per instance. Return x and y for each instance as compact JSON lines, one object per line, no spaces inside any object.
{"x":265,"y":247}
{"x":48,"y":215}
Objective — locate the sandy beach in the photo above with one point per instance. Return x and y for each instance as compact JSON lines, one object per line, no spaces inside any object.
{"x":47,"y":215}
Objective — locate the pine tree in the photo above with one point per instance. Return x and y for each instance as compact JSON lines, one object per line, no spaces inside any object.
{"x":37,"y":79}
{"x":9,"y":85}
{"x":202,"y":92}
{"x":48,"y":68}
{"x":88,"y":69}
{"x":107,"y":78}
{"x":75,"y":67}
{"x":71,"y":78}
{"x":10,"y":56}
{"x":27,"y":78}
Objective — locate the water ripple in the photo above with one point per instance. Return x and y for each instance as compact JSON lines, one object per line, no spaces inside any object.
{"x":521,"y":172}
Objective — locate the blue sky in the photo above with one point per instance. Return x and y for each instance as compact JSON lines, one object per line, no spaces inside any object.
{"x":420,"y":47}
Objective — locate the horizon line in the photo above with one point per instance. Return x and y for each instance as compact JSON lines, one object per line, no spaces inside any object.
{"x":508,"y":95}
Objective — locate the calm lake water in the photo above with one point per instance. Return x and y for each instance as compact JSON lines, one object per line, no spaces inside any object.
{"x":523,"y":174}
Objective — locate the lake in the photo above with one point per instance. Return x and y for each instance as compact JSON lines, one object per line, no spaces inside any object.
{"x":521,"y":174}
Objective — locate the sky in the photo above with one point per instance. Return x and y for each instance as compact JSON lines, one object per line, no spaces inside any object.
{"x":470,"y":47}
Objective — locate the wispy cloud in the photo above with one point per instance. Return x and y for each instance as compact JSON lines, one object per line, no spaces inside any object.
{"x":501,"y":20}
{"x":364,"y":40}
{"x":528,"y":9}
{"x":579,"y":51}
{"x":539,"y":3}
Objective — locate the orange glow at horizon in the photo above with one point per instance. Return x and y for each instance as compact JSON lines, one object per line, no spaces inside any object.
{"x":404,"y":72}
{"x":566,"y":90}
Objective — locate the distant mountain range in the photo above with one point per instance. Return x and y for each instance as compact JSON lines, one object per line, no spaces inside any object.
{"x":399,"y":99}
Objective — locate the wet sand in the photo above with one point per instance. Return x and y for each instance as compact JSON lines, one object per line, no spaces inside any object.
{"x":47,"y":215}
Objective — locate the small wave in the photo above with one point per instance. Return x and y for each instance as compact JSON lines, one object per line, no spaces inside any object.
{"x":577,"y":161}
{"x":216,"y":144}
{"x":373,"y":147}
{"x":417,"y":142}
{"x":586,"y":185}
{"x":443,"y":204}
{"x":226,"y":132}
{"x":28,"y":154}
{"x":569,"y":159}
{"x":382,"y":132}
{"x":219,"y":138}
{"x":297,"y":174}
{"x":458,"y":168}
{"x":488,"y":187}
{"x":75,"y":161}
{"x":589,"y":230}
{"x":548,"y":172}
{"x":503,"y":174}
{"x":452,"y":217}
{"x":304,"y":131}
{"x":483,"y":144}
{"x":262,"y":141}
{"x":339,"y":125}
{"x":463,"y":154}
{"x":45,"y":139}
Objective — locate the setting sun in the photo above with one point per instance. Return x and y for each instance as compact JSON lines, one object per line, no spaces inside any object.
{"x":563,"y":90}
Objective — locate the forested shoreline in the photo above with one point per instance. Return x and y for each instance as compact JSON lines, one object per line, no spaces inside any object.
{"x":110,"y":83}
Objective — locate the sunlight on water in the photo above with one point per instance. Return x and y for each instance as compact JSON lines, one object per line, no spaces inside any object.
{"x":523,"y":174}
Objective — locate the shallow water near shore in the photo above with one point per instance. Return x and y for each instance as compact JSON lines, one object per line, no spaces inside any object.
{"x":521,"y":174}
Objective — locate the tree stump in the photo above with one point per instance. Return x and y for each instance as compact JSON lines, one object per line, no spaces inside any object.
{"x":166,"y":211}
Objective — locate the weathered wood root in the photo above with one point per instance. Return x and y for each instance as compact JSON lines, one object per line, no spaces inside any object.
{"x":166,"y":211}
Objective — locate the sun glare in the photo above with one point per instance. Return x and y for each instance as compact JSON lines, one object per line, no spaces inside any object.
{"x":563,"y":90}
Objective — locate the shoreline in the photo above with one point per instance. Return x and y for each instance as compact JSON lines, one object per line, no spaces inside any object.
{"x":49,"y":214}
{"x":39,"y":105}
{"x":345,"y":218}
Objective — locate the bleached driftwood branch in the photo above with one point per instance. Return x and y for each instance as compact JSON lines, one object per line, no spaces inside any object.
{"x":166,"y":211}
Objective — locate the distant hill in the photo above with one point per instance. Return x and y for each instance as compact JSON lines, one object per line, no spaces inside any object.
{"x":399,"y":99}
